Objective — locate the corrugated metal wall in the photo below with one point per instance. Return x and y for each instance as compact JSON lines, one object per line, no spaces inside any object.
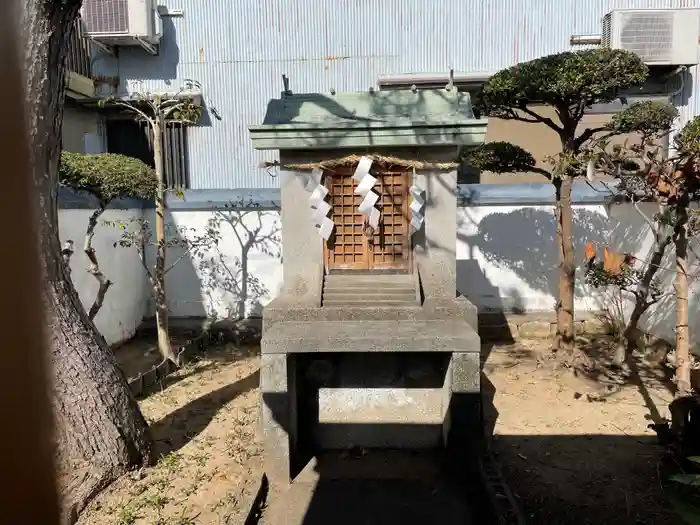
{"x":238,"y":50}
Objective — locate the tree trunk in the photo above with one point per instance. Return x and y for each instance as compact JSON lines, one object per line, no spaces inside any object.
{"x":564,"y":339}
{"x":159,"y":293}
{"x":641,"y":300}
{"x":100,"y":432}
{"x":680,"y":240}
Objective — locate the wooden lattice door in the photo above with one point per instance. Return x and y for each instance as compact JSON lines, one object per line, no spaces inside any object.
{"x":349,"y":248}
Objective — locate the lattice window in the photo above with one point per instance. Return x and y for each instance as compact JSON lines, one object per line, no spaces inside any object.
{"x":390,"y":244}
{"x":348,"y":247}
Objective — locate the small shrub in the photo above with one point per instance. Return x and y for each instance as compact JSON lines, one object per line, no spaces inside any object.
{"x":108,"y":176}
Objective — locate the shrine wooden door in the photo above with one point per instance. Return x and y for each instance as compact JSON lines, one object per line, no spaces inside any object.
{"x":353,"y":247}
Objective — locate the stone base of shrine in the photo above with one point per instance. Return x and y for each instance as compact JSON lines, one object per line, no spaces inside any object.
{"x":366,"y":384}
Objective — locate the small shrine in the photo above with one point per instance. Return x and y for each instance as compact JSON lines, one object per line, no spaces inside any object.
{"x":369,"y":343}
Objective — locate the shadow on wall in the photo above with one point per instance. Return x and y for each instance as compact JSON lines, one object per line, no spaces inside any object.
{"x":660,"y":319}
{"x":227,"y":277}
{"x":231,"y":277}
{"x":126,"y":302}
{"x":135,"y":63}
{"x":516,"y":249}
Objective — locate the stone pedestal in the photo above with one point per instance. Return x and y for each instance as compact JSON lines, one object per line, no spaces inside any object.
{"x":381,"y":384}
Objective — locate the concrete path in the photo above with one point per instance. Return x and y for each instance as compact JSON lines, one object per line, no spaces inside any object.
{"x":379,"y":488}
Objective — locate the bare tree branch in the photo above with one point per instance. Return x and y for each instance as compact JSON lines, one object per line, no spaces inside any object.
{"x":132,"y":107}
{"x":191,"y":247}
{"x":539,"y":118}
{"x":93,"y":264}
{"x":648,"y":220}
{"x":587,"y":134}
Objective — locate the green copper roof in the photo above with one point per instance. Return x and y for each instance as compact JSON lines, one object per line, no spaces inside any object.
{"x":382,"y":118}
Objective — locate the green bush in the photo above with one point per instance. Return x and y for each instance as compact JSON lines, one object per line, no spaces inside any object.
{"x":567,"y":81}
{"x":108,"y":176}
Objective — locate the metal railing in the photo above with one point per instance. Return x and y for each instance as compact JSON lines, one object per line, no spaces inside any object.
{"x":79,"y":52}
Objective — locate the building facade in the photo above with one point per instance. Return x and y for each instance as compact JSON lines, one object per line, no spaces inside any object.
{"x":81,"y":126}
{"x":246,"y":53}
{"x":240,"y":55}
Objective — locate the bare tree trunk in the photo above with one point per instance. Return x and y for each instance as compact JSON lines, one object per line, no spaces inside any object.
{"x":680,"y":240}
{"x":159,"y":292}
{"x":100,"y":432}
{"x":93,"y":264}
{"x":564,"y":339}
{"x":642,"y":300}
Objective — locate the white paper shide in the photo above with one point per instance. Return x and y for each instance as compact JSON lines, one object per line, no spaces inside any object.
{"x":365,"y":186}
{"x":318,"y":205}
{"x":417,"y":205}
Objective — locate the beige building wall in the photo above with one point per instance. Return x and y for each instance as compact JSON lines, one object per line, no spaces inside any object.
{"x":538,"y":139}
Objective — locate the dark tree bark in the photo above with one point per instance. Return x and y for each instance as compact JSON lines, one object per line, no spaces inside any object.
{"x":100,"y":432}
{"x":564,"y":340}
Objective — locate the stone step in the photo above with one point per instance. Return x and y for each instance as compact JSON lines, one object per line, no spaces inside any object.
{"x":371,"y":295}
{"x":363,"y":287}
{"x":371,"y":336}
{"x":363,"y":312}
{"x":369,"y":280}
{"x":367,"y":293}
{"x":365,"y":302}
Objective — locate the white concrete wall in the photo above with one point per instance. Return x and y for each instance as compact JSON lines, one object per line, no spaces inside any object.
{"x":202,"y":283}
{"x":506,"y":260}
{"x":239,"y":275}
{"x":126,"y":300}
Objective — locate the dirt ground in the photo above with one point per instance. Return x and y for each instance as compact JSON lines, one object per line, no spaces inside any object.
{"x":574,"y":443}
{"x":204,"y":424}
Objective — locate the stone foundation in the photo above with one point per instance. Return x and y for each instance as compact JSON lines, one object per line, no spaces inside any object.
{"x":382,"y":384}
{"x":507,"y":327}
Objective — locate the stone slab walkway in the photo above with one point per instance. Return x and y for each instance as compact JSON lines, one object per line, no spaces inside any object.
{"x":379,"y":488}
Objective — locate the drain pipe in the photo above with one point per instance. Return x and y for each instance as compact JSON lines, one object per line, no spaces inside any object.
{"x":585,"y":40}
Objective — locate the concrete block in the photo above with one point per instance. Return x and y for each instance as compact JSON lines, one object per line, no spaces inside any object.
{"x":466,"y":373}
{"x":278,"y":418}
{"x":302,"y":249}
{"x":406,"y":406}
{"x":535,"y":330}
{"x":386,"y":436}
{"x":367,"y":336}
{"x":457,"y":308}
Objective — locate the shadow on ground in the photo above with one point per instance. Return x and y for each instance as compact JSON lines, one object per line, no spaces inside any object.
{"x":637,"y":371}
{"x":587,"y":480}
{"x":179,"y":427}
{"x":140,"y":356}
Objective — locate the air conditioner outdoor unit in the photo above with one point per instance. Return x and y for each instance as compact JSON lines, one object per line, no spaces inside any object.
{"x":661,"y":37}
{"x":123,"y":23}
